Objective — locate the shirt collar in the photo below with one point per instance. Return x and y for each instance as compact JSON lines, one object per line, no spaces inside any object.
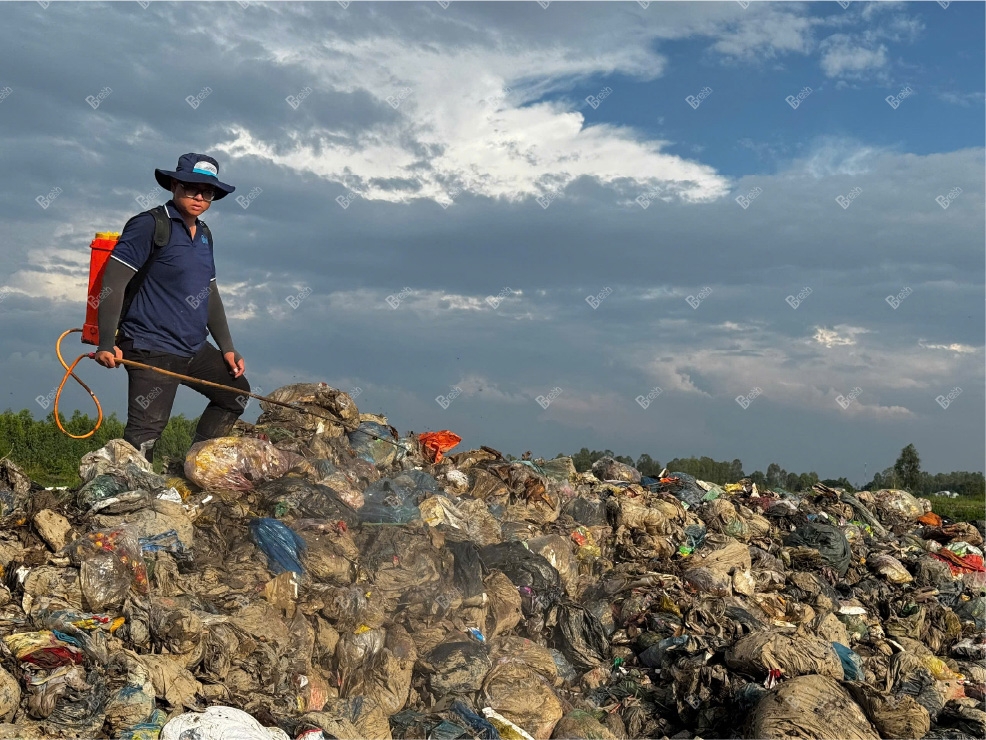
{"x":172,"y":210}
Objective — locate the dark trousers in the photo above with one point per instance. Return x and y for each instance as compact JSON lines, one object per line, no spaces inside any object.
{"x":151,"y":395}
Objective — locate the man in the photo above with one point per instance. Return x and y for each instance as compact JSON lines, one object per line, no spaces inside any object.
{"x":176,"y":305}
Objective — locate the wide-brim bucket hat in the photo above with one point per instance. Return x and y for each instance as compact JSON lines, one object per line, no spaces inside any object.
{"x":197,"y":168}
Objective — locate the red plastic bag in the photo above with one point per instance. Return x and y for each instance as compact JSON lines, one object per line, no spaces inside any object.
{"x":438,"y":442}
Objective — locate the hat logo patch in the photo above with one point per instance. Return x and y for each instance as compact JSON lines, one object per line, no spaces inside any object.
{"x":206,"y":168}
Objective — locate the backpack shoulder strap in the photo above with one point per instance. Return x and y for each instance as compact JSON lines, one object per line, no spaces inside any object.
{"x":162,"y":235}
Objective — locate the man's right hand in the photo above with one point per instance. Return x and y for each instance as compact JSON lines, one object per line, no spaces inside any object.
{"x":107,"y":358}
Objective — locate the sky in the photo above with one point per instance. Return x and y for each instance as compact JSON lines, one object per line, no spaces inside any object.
{"x":741,"y":230}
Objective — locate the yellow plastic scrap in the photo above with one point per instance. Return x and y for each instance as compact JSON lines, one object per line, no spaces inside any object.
{"x":733,"y":488}
{"x":940,"y":670}
{"x":180,"y":485}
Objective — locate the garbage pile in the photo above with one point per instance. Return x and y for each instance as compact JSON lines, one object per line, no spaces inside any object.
{"x":313,"y":578}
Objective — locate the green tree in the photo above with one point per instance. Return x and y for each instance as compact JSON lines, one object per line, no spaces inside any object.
{"x":648,"y":466}
{"x":908,"y":468}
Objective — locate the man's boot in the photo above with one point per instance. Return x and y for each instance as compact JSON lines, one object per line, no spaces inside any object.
{"x":217,"y":425}
{"x":147,"y":449}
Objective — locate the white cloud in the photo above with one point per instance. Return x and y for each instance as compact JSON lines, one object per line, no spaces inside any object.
{"x":839,"y":336}
{"x":962,"y":99}
{"x":844,"y":56}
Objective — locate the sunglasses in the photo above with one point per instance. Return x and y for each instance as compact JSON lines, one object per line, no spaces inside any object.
{"x":206,"y":192}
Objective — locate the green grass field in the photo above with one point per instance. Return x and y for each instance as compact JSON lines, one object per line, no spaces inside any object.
{"x":961,"y":509}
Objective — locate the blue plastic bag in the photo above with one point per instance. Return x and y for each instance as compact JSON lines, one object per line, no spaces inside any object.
{"x":279,"y":543}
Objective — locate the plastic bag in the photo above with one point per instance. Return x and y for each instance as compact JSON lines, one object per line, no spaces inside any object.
{"x":110,"y":458}
{"x":234,"y":463}
{"x":810,"y":707}
{"x":110,"y":562}
{"x":279,"y":543}
{"x":890,"y":568}
{"x":395,"y":500}
{"x":437,"y":443}
{"x":852,"y":664}
{"x":322,"y":399}
{"x":828,"y":540}
{"x":218,"y":723}
{"x":380,"y":449}
{"x":607,"y":468}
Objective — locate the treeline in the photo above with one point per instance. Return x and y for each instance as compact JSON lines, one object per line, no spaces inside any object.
{"x":52,"y":458}
{"x":906,"y":473}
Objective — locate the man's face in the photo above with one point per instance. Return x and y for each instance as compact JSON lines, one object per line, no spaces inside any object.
{"x":191,"y":197}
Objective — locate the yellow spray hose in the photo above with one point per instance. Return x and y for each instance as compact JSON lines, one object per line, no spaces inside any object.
{"x":70,"y":372}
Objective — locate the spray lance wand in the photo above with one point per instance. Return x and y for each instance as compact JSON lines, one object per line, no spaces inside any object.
{"x":70,"y":372}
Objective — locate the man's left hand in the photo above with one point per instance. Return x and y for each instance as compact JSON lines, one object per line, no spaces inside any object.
{"x":236,"y":366}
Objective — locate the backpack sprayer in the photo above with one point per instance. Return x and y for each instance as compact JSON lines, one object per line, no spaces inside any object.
{"x":102,"y":246}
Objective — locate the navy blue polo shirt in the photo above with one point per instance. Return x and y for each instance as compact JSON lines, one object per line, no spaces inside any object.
{"x":170,"y":312}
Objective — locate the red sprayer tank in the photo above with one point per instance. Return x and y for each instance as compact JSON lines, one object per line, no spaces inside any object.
{"x":102,"y":247}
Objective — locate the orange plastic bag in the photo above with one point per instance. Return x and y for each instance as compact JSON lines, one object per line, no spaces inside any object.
{"x":438,"y":442}
{"x":931,"y":519}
